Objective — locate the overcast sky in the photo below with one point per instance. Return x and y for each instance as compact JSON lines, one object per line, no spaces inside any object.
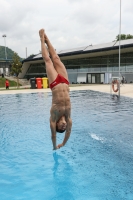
{"x":68,"y":23}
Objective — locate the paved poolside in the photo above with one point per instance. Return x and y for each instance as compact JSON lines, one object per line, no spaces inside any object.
{"x":125,"y":90}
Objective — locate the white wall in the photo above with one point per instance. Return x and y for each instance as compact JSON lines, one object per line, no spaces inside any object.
{"x":1,"y":70}
{"x":81,"y":78}
{"x":107,"y":77}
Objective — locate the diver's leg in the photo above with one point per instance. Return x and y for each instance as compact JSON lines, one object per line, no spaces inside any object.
{"x":59,"y":66}
{"x":51,"y":72}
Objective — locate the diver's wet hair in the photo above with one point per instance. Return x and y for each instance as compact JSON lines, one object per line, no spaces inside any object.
{"x":58,"y":130}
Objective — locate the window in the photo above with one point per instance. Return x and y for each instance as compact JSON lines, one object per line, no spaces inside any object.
{"x":36,"y":68}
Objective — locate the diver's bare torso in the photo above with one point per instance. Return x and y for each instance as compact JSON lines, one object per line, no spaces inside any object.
{"x":60,"y":120}
{"x":61,"y":105}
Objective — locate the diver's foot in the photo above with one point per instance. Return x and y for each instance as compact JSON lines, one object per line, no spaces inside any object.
{"x":46,"y":38}
{"x":41,"y":34}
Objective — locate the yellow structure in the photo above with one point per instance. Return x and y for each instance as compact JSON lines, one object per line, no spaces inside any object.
{"x":45,"y":82}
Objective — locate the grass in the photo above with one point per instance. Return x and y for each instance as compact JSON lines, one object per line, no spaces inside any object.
{"x":11,"y":83}
{"x":14,"y":85}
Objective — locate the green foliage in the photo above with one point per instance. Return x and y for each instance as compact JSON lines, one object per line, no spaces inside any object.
{"x":129,"y":36}
{"x":124,"y":37}
{"x":2,"y":52}
{"x":11,"y":83}
{"x":10,"y":53}
{"x":16,"y":65}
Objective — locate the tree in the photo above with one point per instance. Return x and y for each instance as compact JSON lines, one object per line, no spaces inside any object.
{"x":9,"y":51}
{"x":16,"y":67}
{"x":124,"y":37}
{"x":129,"y":36}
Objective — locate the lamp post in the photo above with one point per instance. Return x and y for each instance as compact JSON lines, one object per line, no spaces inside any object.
{"x":120,"y":40}
{"x":4,"y":36}
{"x":26,"y":52}
{"x":119,"y":48}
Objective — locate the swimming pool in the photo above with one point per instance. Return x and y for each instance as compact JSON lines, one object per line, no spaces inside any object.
{"x":95,"y":164}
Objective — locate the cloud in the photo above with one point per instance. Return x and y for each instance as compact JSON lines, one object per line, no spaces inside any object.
{"x":68,"y":23}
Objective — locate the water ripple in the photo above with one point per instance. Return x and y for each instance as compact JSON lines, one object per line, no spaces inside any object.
{"x":96,"y":162}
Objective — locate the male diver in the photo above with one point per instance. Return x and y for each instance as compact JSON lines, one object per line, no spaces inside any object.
{"x":60,"y":119}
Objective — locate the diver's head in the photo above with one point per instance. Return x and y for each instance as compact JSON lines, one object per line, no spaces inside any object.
{"x":61,"y":125}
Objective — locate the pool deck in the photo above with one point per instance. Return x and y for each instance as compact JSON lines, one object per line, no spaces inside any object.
{"x":125,"y":90}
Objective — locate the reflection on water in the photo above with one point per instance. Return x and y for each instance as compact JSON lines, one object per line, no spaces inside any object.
{"x":63,"y":176}
{"x":56,"y":163}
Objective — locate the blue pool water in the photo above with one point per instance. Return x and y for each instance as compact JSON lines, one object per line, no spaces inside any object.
{"x":95,"y":164}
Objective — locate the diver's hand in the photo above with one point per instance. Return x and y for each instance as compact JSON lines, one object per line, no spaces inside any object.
{"x":59,"y":146}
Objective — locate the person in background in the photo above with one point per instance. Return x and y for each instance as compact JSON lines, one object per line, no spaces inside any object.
{"x":7,"y":84}
{"x":123,"y":80}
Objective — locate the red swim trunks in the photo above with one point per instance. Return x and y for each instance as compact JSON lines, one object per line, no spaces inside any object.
{"x":59,"y":79}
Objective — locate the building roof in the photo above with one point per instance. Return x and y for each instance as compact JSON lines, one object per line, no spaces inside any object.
{"x":88,"y":49}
